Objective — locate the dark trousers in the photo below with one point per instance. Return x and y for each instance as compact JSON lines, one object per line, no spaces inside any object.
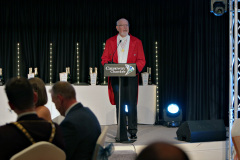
{"x":129,"y":94}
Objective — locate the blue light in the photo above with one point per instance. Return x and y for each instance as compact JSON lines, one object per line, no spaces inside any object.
{"x":126,"y":108}
{"x":173,"y":108}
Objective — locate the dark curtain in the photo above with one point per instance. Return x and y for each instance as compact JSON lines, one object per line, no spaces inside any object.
{"x":192,"y":45}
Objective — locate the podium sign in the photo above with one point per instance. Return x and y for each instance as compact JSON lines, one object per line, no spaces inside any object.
{"x":120,"y":70}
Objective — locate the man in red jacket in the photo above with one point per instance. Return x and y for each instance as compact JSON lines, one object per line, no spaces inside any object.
{"x":125,"y":48}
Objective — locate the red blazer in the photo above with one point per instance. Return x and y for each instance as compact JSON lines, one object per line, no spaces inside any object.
{"x":135,"y":55}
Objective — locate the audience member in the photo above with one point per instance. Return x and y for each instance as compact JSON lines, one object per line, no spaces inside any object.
{"x":235,"y":134}
{"x":39,"y":87}
{"x":80,"y":127}
{"x":162,"y":151}
{"x":28,"y":128}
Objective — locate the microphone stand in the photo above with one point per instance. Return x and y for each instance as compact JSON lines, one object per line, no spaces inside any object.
{"x":115,"y":51}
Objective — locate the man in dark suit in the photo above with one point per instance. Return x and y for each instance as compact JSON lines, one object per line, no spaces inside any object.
{"x":124,"y":48}
{"x":80,"y":127}
{"x":13,"y":136}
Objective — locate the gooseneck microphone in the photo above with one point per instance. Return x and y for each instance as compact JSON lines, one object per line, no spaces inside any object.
{"x":115,"y":50}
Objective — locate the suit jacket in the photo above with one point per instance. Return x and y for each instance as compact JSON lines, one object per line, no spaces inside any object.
{"x":135,"y":55}
{"x":81,"y":130}
{"x":12,"y":140}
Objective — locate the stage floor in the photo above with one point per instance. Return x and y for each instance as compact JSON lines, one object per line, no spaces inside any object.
{"x":217,"y":150}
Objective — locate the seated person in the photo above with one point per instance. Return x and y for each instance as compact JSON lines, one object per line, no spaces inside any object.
{"x":39,"y":87}
{"x":162,"y":151}
{"x":235,"y":134}
{"x":28,"y":128}
{"x":80,"y":127}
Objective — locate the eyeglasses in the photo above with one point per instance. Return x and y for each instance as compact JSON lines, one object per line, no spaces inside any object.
{"x":124,"y":25}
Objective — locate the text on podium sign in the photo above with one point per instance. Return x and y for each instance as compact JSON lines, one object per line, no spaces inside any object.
{"x":120,"y":70}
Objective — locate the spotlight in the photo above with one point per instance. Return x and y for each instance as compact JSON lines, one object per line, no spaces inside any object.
{"x":172,"y":115}
{"x":218,"y":7}
{"x":173,"y":109}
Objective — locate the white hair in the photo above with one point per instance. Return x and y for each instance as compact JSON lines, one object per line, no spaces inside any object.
{"x":121,"y":19}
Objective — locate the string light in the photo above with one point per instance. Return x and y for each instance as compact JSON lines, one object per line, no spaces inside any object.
{"x":50,"y":64}
{"x":78,"y":66}
{"x":104,"y":78}
{"x":157,"y":90}
{"x":18,"y":59}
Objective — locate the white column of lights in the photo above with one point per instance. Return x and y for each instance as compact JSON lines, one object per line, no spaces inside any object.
{"x":157,"y":91}
{"x":18,"y":59}
{"x":78,"y":66}
{"x":104,"y":78}
{"x":50,"y":64}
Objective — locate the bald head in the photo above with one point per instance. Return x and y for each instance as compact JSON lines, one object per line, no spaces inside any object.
{"x":162,"y":151}
{"x":65,"y":89}
{"x":122,"y":19}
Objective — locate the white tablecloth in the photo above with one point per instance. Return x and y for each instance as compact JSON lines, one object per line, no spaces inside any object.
{"x":96,"y":98}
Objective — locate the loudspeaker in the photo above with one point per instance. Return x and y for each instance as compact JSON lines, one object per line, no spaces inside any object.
{"x":202,"y":131}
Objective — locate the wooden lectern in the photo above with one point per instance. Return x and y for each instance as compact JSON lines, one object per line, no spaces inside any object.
{"x":120,"y":70}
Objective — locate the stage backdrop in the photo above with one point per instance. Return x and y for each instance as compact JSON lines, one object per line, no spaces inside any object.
{"x":192,"y":45}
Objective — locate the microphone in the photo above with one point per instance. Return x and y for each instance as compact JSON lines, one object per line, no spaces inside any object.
{"x":115,"y":51}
